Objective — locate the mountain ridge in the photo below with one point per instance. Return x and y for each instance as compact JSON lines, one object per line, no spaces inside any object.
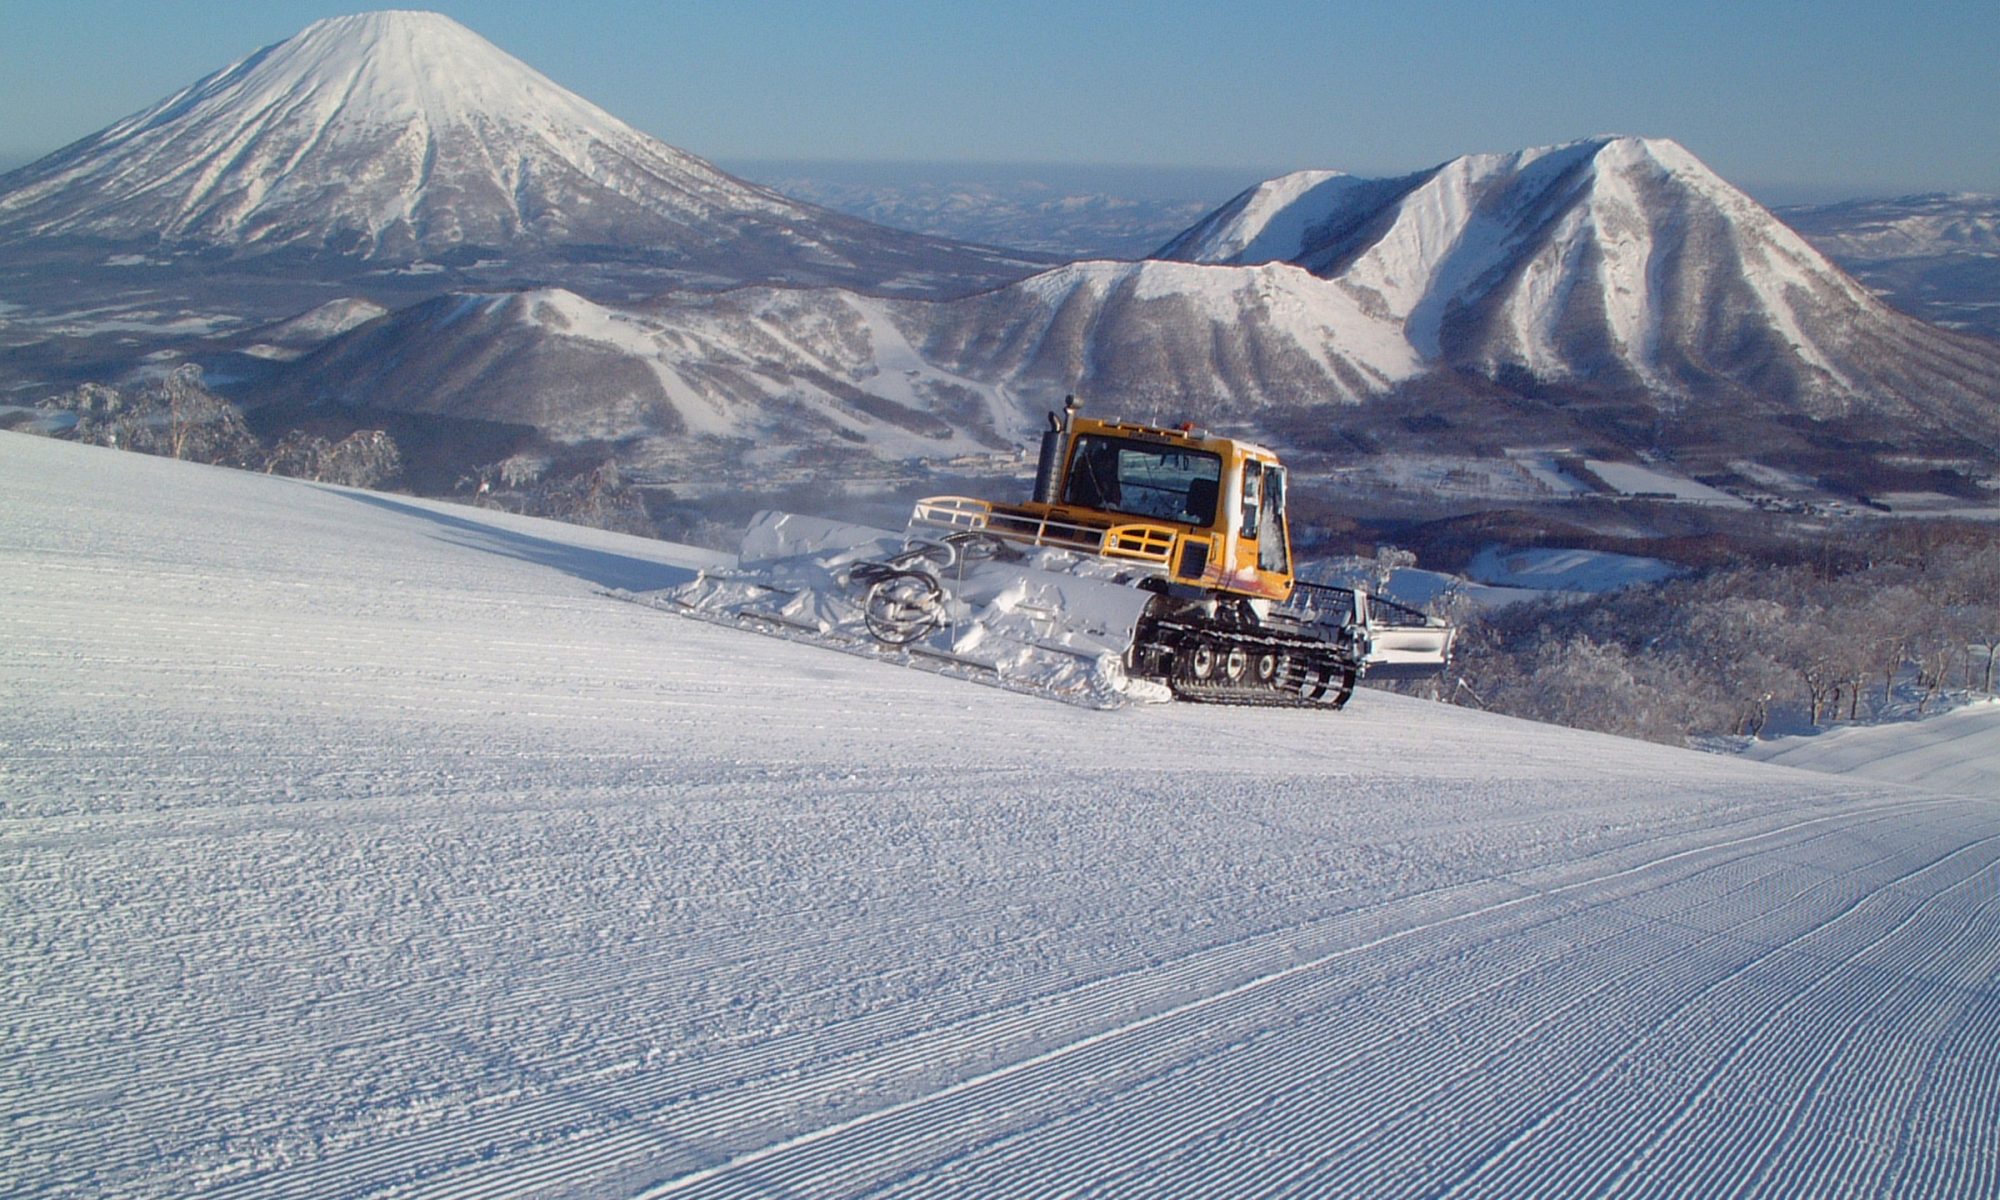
{"x":1626,"y":267}
{"x":1610,"y":289}
{"x":398,"y":137}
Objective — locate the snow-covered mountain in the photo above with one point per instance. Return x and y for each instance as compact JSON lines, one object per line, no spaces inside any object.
{"x":774,"y":372}
{"x":1925,"y":226}
{"x":740,"y":378}
{"x":296,"y":335}
{"x":1213,"y":342}
{"x":359,"y":845}
{"x":1614,"y":262}
{"x":1613,"y":292}
{"x":1596,"y":286}
{"x":394,"y":137}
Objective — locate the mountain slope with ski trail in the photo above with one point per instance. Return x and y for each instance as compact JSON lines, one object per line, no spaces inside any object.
{"x":355,"y":845}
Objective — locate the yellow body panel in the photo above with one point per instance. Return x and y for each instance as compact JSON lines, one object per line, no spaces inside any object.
{"x":1237,"y":549}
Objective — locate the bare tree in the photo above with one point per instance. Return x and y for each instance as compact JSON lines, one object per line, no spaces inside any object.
{"x":1975,"y":610}
{"x":520,"y":470}
{"x":365,"y":458}
{"x":200,"y":425}
{"x":1387,"y":561}
{"x":174,"y":416}
{"x":298,"y":454}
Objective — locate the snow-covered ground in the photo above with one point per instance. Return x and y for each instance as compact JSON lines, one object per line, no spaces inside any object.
{"x":1633,"y":479}
{"x":1500,"y":575}
{"x":1956,"y":751}
{"x":352,"y":845}
{"x":1565,"y":569}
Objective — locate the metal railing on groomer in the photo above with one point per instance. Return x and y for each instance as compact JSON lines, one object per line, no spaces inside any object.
{"x":1137,"y":541}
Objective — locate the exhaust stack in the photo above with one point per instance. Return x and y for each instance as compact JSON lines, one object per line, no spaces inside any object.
{"x":1052,"y":449}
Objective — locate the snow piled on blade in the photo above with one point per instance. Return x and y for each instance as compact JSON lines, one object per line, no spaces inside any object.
{"x":1037,"y":623}
{"x":354,"y":845}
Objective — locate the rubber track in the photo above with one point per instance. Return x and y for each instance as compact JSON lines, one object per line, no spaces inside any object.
{"x":1287,"y":691}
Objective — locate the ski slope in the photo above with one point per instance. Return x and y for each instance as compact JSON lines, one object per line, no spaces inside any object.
{"x":356,"y":846}
{"x":1955,"y":751}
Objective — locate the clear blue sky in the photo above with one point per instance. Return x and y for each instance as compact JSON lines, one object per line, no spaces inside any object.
{"x":1788,"y":99}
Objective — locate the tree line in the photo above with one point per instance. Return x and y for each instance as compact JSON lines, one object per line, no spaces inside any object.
{"x":1899,"y":616}
{"x":175,"y":416}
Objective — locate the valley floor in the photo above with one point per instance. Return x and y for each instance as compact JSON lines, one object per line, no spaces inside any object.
{"x":353,"y":845}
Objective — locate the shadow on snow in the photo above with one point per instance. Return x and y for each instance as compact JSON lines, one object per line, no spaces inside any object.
{"x":601,"y":567}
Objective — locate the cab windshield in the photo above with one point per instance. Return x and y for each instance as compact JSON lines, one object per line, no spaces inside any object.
{"x":1142,"y":479}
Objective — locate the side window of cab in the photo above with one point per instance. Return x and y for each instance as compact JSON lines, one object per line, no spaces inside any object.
{"x":1253,"y":490}
{"x":1273,"y":554}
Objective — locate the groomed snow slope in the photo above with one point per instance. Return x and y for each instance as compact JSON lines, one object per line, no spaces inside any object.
{"x":353,"y":845}
{"x":1956,"y":751}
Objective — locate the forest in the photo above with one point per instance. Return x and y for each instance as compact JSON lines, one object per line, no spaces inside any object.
{"x":1879,"y":615}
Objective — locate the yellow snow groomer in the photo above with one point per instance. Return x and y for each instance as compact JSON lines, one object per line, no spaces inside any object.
{"x":1198,"y":521}
{"x":1149,"y":564}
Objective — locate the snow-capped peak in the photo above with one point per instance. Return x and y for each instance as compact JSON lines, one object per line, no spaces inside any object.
{"x":382,"y":135}
{"x":1294,"y":217}
{"x":1268,"y":223}
{"x":1607,"y":256}
{"x":421,"y":73}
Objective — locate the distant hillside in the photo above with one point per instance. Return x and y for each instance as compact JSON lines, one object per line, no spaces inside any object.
{"x":1065,"y":211}
{"x":1933,"y":256}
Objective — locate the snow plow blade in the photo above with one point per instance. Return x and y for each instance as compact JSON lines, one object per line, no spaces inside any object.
{"x":1403,"y":643}
{"x":1043,"y":621}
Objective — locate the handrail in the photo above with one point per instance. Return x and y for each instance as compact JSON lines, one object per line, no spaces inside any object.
{"x":1380,"y":611}
{"x":1138,"y":541}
